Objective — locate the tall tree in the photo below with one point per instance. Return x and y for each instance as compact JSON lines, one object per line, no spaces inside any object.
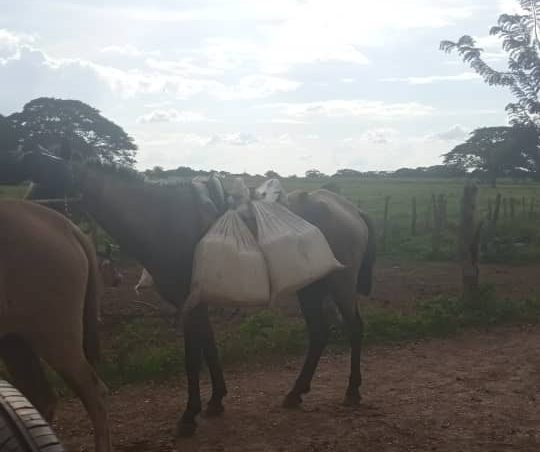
{"x":8,"y":136}
{"x":8,"y":143}
{"x":520,"y":37}
{"x":271,"y":174}
{"x":495,"y":151}
{"x":313,"y":173}
{"x":61,"y":125}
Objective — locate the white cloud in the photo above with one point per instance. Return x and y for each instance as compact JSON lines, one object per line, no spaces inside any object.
{"x":455,"y":133}
{"x":126,"y":49}
{"x":291,"y":33}
{"x":11,"y":44}
{"x":355,"y":108}
{"x":510,"y":7}
{"x":182,"y":67}
{"x":323,"y":31}
{"x":286,"y":78}
{"x":234,"y":139}
{"x":429,"y":79}
{"x":171,"y":115}
{"x":132,"y":82}
{"x":379,"y":136}
{"x":157,"y":80}
{"x":288,"y":121}
{"x":255,"y":87}
{"x":492,"y":47}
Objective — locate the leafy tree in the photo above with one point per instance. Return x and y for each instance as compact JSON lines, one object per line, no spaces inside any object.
{"x":8,"y":143}
{"x":66,"y":126}
{"x":346,"y":172}
{"x":313,"y":173}
{"x":449,"y":170}
{"x":520,"y":36}
{"x":157,"y":172}
{"x":495,"y":151}
{"x":8,"y":136}
{"x":271,"y":174}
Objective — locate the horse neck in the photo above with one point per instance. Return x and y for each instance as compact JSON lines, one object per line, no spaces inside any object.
{"x":145,"y":220}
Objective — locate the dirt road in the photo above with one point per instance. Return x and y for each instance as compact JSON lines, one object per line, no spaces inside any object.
{"x":476,"y":392}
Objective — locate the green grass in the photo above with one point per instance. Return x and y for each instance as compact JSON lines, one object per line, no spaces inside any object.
{"x":9,"y":191}
{"x":147,"y":350}
{"x":370,"y":193}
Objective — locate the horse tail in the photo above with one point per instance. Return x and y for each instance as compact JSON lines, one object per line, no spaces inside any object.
{"x":365,"y":274}
{"x":92,"y":299}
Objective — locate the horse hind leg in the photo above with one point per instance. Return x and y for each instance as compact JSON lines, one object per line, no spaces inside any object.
{"x":210,"y":352}
{"x":66,"y":356}
{"x":311,"y":301}
{"x":343,"y":288}
{"x":27,"y":373}
{"x":194,"y":324}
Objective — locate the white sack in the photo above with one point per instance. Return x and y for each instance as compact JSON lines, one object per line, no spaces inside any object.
{"x":271,"y":191}
{"x":145,"y":281}
{"x":228,"y":267}
{"x":296,"y":251}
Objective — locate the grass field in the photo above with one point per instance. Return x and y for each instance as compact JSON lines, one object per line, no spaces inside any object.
{"x":141,"y":349}
{"x":370,"y":193}
{"x":7,"y":191}
{"x":517,"y":238}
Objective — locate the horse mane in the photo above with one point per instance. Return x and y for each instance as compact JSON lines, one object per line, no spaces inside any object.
{"x":131,"y":176}
{"x":122,"y":172}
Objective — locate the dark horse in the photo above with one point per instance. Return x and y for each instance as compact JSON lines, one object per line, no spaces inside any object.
{"x":160,"y":226}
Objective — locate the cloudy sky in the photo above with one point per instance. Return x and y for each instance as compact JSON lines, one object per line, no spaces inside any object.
{"x":251,"y":85}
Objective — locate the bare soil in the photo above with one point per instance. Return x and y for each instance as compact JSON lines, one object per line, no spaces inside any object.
{"x":476,"y":392}
{"x":397,"y":285}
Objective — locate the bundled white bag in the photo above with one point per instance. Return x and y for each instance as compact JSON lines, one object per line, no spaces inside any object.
{"x":145,"y":281}
{"x":296,"y":251}
{"x":228,"y":267}
{"x":272,"y":191}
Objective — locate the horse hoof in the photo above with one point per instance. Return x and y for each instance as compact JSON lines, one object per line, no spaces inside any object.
{"x":292,"y":401}
{"x":186,"y":429}
{"x":214,"y":409}
{"x":352,"y":400}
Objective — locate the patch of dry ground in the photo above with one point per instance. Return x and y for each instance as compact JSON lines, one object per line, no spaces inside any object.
{"x":397,"y":285}
{"x":476,"y":392}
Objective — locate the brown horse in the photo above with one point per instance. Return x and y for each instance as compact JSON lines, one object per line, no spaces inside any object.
{"x":160,"y":227}
{"x":49,"y":303}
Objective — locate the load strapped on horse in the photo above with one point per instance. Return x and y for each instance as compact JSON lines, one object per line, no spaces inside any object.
{"x":256,"y":251}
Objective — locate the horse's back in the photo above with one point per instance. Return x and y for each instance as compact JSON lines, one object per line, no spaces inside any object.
{"x":41,"y":265}
{"x":338,"y":219}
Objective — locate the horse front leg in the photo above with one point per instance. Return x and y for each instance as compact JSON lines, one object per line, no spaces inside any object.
{"x":193,"y":346}
{"x":210,"y":351}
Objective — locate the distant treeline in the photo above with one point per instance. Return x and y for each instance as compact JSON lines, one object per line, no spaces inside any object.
{"x":436,"y":171}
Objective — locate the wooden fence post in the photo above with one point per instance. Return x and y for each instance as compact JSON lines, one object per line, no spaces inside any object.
{"x":496,"y":211}
{"x":505,"y":207}
{"x":437,"y":226}
{"x":469,"y":239}
{"x":512,"y":207}
{"x":490,"y":210}
{"x":523,"y":206}
{"x":385,"y":223}
{"x":429,"y":216}
{"x":531,"y":209}
{"x":413,"y":219}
